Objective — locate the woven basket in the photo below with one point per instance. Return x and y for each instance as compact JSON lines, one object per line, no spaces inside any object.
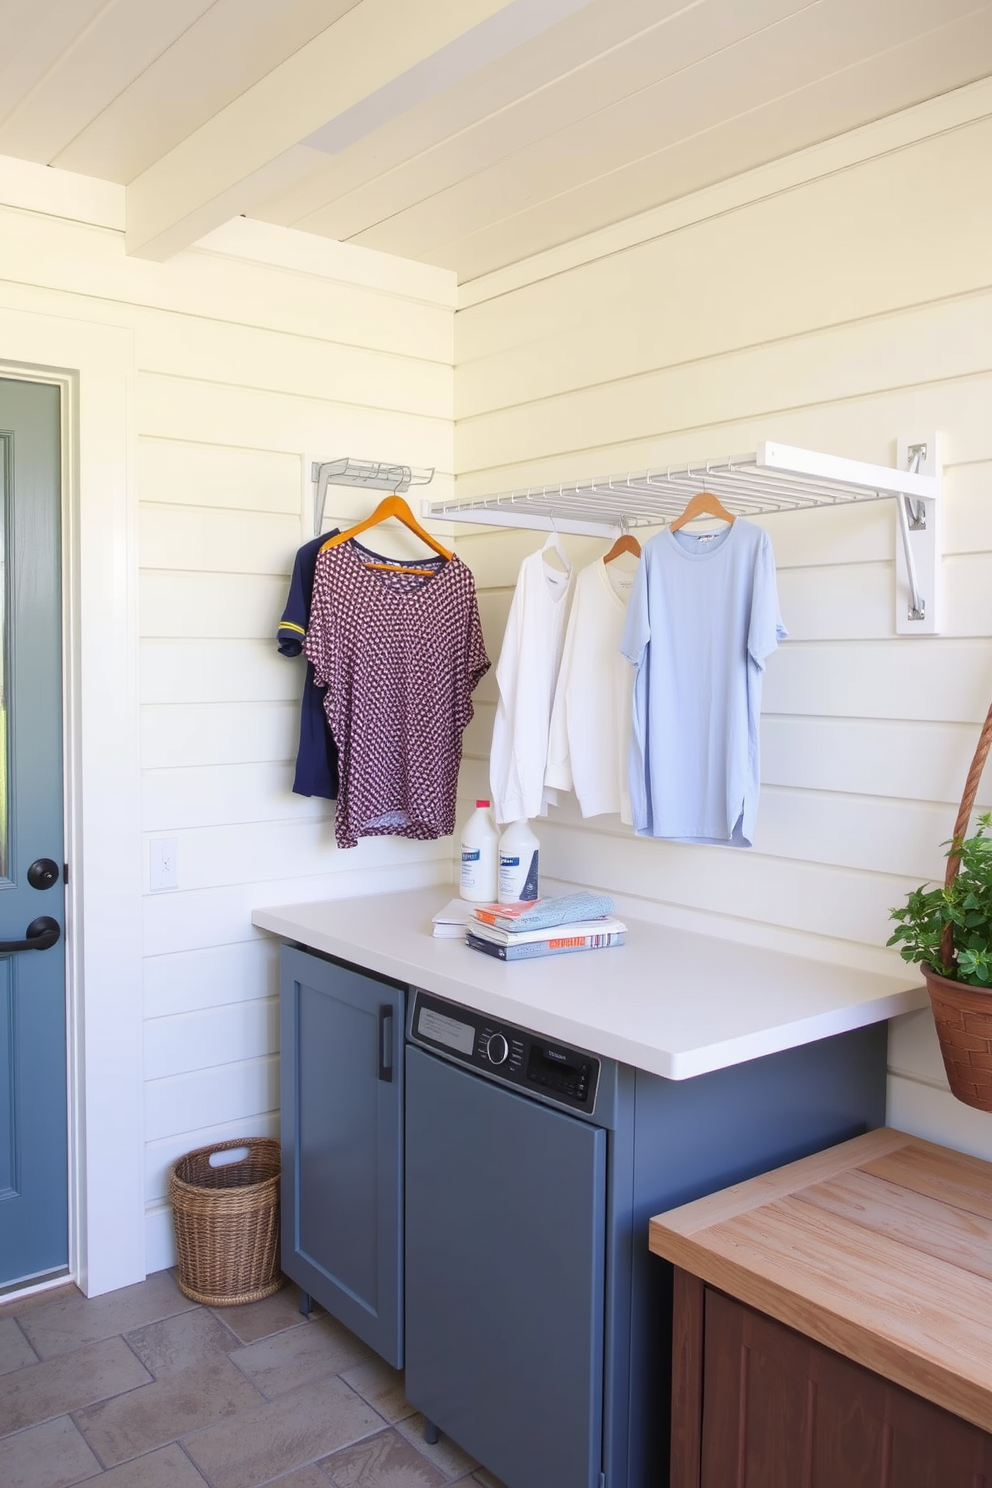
{"x":962,"y":1013}
{"x":227,"y":1223}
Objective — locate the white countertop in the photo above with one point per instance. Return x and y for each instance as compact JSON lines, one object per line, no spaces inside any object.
{"x":668,"y":1001}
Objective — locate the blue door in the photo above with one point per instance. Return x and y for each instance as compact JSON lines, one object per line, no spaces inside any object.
{"x":33,"y":1175}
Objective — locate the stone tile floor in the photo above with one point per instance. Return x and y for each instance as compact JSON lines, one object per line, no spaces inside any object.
{"x":142,"y":1388}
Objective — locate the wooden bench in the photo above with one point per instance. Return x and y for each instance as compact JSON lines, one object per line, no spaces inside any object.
{"x":833,"y":1323}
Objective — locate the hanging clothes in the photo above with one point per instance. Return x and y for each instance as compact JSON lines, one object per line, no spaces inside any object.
{"x":526,"y":672}
{"x":702,"y":621}
{"x":399,"y":654}
{"x":316,"y":756}
{"x":589,"y":743}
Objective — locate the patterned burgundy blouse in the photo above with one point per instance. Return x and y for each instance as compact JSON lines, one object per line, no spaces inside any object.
{"x":400,"y":655}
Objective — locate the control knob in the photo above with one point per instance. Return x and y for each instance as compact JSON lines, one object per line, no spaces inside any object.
{"x":497,"y":1048}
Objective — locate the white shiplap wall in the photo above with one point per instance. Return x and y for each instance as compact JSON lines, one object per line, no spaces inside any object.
{"x":254,"y":355}
{"x":230,"y":415}
{"x":846,"y":303}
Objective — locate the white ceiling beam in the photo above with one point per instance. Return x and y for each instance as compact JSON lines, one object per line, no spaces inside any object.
{"x":371,"y":66}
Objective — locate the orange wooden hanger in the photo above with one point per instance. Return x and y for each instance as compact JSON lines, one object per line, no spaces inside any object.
{"x":392,"y":506}
{"x":703,"y":505}
{"x":624,"y":544}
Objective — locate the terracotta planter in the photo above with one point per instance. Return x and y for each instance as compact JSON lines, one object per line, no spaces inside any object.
{"x":963,"y":1016}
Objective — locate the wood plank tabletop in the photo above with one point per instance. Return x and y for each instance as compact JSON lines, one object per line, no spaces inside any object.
{"x":880,"y":1248}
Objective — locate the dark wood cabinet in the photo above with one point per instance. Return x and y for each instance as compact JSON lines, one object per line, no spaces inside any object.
{"x":759,"y":1405}
{"x":833,"y":1322}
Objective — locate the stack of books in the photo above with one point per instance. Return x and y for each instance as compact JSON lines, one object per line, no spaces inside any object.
{"x":546,"y":927}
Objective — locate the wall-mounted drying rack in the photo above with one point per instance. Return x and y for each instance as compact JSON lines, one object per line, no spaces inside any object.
{"x":372,"y":475}
{"x":778,"y":477}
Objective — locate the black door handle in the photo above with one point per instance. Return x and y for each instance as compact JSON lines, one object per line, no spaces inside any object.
{"x":386,"y":1043}
{"x":40,"y":935}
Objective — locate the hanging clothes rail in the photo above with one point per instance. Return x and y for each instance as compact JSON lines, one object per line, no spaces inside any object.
{"x":372,"y":475}
{"x":777,"y":477}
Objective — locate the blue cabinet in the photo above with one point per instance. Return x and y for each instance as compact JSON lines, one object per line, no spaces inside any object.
{"x":342,"y":1143}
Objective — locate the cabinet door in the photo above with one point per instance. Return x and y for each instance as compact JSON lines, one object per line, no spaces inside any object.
{"x":781,"y":1411}
{"x":342,"y":1138}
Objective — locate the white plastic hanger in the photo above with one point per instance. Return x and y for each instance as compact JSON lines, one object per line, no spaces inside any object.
{"x":554,"y":541}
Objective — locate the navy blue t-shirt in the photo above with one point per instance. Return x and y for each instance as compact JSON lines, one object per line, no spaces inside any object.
{"x":317,"y":757}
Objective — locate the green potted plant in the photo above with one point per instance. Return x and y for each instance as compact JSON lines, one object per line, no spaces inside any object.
{"x":948,"y":931}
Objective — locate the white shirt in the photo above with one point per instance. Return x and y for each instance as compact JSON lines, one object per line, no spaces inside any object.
{"x":526,"y":672}
{"x":589,"y":747}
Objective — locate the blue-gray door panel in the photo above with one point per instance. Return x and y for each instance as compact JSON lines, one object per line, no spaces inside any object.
{"x":505,"y":1227}
{"x":342,"y":1140}
{"x":33,"y":1124}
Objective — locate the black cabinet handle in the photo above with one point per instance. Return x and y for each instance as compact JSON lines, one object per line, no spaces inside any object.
{"x":386,"y":1043}
{"x":40,"y":935}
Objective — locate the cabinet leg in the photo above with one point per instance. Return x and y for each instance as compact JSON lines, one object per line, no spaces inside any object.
{"x":430,"y":1432}
{"x":306,"y":1303}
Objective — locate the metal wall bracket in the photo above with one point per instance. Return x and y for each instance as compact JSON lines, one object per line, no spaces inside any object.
{"x":368,"y":475}
{"x":918,"y":541}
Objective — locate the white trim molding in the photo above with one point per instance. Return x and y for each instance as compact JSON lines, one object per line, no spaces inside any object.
{"x":94,"y":366}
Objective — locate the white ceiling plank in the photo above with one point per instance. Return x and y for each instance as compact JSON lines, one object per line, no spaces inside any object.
{"x":33,"y":35}
{"x":231,"y":46}
{"x":470,"y":134}
{"x":822,"y":43}
{"x":590,"y":32}
{"x":945,"y":113}
{"x":122,"y":41}
{"x":365,"y":68}
{"x":780,"y":127}
{"x":672,"y":45}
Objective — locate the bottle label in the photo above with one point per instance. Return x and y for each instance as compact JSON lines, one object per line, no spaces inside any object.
{"x":471,"y":855}
{"x":517,"y":878}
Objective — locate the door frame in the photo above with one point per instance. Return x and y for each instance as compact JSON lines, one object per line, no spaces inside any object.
{"x":93,"y":365}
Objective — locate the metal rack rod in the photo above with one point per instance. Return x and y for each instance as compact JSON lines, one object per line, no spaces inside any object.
{"x":777,"y":477}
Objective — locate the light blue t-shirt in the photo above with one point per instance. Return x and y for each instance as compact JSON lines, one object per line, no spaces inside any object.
{"x":703,"y":617}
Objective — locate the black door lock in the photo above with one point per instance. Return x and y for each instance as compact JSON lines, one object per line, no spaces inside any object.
{"x":43,"y":873}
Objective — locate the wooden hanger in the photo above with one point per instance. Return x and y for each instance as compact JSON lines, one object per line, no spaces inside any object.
{"x":703,"y":505}
{"x":392,"y":506}
{"x":624,"y":544}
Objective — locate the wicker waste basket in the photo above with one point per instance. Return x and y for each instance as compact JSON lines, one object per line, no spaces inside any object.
{"x":227,"y":1222}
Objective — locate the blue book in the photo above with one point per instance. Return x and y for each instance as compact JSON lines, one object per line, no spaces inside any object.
{"x":566,"y":909}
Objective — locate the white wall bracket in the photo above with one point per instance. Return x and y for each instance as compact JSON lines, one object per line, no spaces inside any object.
{"x":919,"y":519}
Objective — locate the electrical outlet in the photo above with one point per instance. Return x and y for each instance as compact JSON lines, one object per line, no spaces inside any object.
{"x":163,"y":864}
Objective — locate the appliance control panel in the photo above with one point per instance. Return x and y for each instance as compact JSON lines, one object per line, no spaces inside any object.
{"x":525,"y":1060}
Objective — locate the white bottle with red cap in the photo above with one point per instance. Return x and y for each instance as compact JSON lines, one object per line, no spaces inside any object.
{"x":480,"y":856}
